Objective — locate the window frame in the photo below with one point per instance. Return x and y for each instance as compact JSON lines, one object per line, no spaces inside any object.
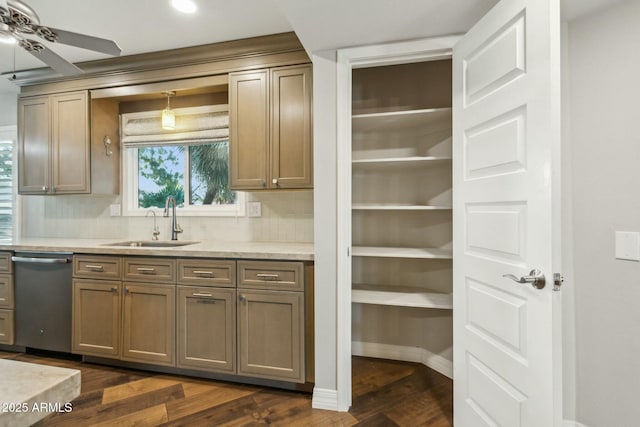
{"x":130,"y":168}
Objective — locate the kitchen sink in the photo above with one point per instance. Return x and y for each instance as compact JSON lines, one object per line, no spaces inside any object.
{"x":151,"y":243}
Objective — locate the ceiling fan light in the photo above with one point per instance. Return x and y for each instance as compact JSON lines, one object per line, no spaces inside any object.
{"x":184,"y":6}
{"x":168,"y":119}
{"x":6,"y":37}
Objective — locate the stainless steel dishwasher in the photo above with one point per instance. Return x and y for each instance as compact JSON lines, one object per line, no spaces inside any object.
{"x":43,"y":300}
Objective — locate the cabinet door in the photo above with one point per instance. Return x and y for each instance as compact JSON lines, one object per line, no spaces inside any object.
{"x":271,"y":335}
{"x":70,"y":143}
{"x":291,"y":136}
{"x":248,"y":130}
{"x":206,"y":329}
{"x":33,"y":145}
{"x":6,"y":327}
{"x":149,"y":323}
{"x":96,"y":317}
{"x":6,"y":291}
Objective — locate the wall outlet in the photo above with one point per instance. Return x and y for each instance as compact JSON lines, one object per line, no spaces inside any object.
{"x":628,"y":245}
{"x":254,"y":209}
{"x":114,"y":210}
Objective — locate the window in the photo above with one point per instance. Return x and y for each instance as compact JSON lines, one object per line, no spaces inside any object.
{"x":7,"y":137}
{"x":190,"y":164}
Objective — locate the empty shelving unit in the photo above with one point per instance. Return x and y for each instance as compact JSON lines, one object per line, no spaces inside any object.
{"x":401,"y":213}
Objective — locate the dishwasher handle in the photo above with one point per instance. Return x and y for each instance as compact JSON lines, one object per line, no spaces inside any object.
{"x":40,"y":260}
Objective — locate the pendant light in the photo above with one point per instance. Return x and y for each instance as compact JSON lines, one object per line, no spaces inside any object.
{"x":168,"y":116}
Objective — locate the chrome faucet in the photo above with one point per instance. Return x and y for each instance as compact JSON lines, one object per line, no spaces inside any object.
{"x":175,"y":227}
{"x":156,"y":230}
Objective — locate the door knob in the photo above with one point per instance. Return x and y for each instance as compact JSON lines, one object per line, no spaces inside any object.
{"x":535,"y":277}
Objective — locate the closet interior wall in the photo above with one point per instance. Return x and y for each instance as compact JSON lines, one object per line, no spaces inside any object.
{"x":401,"y":213}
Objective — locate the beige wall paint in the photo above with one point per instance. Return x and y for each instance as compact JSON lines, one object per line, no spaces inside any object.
{"x":287,"y":216}
{"x":604,"y":60}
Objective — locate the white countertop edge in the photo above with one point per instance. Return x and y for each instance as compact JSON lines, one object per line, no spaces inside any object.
{"x":39,"y":384}
{"x":202,"y":249}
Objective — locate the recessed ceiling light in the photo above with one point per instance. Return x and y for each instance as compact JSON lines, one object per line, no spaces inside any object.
{"x":184,"y":6}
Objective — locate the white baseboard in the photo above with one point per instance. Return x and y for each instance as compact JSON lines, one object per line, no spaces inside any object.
{"x":406,"y":354}
{"x":571,"y":423}
{"x":324,"y":399}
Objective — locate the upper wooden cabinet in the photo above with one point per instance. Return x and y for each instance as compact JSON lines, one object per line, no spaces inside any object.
{"x":53,"y":144}
{"x":270,"y":134}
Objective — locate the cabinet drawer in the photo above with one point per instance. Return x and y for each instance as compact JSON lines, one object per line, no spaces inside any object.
{"x":279,"y":275}
{"x":6,"y":291}
{"x":207,"y":272}
{"x":6,"y":266}
{"x":6,"y":327}
{"x":93,"y":267}
{"x":154,"y":270}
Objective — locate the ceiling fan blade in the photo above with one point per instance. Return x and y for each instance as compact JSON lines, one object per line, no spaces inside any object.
{"x":86,"y":42}
{"x":51,"y":58}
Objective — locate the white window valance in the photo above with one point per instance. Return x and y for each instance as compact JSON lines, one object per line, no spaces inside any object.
{"x":194,"y":125}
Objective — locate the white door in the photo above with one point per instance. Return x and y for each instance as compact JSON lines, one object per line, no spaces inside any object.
{"x":506,"y":164}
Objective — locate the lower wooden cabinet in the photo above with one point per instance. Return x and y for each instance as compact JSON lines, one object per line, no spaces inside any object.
{"x":200,"y":319}
{"x":148,"y":323}
{"x":206,"y":329}
{"x":6,"y":327}
{"x":271,"y":335}
{"x":96,"y":317}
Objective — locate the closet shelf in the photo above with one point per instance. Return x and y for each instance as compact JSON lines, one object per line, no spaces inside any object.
{"x":425,"y":118}
{"x":399,"y":161}
{"x":400,"y":296}
{"x":397,"y":207}
{"x":385,"y":252}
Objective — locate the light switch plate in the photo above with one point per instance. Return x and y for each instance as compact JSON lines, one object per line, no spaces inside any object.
{"x":254,"y":209}
{"x":114,"y":210}
{"x":628,"y":245}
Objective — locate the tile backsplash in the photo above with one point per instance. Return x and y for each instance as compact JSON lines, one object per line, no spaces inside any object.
{"x":287,"y":216}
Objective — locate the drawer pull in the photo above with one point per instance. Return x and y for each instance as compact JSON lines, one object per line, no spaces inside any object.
{"x":265,"y":276}
{"x":203,"y":273}
{"x":94,"y":267}
{"x":197,"y":294}
{"x":146,"y":270}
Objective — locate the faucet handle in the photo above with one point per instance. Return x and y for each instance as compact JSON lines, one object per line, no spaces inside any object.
{"x":178,"y":229}
{"x":156,"y":232}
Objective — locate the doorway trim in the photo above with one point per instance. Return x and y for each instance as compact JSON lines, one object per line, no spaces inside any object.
{"x":430,"y":49}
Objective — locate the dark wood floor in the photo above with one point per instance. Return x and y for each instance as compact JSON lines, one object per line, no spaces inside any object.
{"x":385,"y":393}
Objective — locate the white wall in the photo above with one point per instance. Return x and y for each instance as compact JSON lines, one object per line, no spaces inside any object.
{"x":604,"y":56}
{"x":9,"y":108}
{"x":325,"y":213}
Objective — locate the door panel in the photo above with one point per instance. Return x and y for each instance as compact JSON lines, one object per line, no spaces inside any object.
{"x":149,"y":323}
{"x":291,"y":147}
{"x":70,"y":142}
{"x":248,"y":130}
{"x":33,"y":145}
{"x":506,"y":136}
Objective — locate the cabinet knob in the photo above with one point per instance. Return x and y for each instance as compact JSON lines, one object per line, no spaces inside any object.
{"x":44,"y":188}
{"x":274,"y":181}
{"x":243,"y":298}
{"x":114,"y":290}
{"x":262,"y":182}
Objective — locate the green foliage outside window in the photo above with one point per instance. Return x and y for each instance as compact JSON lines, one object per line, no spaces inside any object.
{"x":161,"y":173}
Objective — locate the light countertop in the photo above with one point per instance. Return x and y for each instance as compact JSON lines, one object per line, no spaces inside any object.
{"x":29,"y":391}
{"x":201,"y":249}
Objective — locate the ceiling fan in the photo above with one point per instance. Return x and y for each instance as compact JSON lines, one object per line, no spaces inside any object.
{"x":18,"y":21}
